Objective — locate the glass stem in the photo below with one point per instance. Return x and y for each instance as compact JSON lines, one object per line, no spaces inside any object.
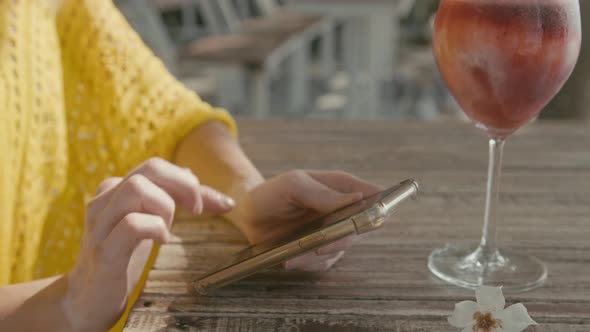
{"x":488,"y":245}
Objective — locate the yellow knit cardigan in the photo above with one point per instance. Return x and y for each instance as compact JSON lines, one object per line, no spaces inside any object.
{"x":81,"y":99}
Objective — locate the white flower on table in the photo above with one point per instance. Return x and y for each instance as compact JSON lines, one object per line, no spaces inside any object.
{"x":489,"y":315}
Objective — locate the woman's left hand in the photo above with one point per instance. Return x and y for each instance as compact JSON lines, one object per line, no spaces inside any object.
{"x":285,"y":202}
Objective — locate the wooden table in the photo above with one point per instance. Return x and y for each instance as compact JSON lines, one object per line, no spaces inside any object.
{"x":382,"y":284}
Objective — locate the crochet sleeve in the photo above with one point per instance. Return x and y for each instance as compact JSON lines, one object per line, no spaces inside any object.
{"x":119,"y":96}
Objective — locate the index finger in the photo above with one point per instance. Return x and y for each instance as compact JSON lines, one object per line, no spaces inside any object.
{"x":181,"y":184}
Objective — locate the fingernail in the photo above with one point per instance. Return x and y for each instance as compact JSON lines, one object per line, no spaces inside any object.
{"x":198,"y":208}
{"x":226,"y":202}
{"x":166,"y":238}
{"x":336,"y":258}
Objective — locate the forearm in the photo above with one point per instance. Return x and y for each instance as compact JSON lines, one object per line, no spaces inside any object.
{"x":215,"y":156}
{"x":34,"y":306}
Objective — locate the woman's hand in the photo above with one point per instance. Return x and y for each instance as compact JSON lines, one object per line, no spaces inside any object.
{"x":270,"y":208}
{"x":277,"y":206}
{"x":122,"y":221}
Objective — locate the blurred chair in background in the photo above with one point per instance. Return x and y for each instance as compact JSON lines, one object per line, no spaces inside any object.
{"x":247,"y":52}
{"x":187,"y":25}
{"x":261,"y":48}
{"x":369,"y":46}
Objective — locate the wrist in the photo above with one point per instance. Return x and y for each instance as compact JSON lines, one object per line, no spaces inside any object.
{"x":68,"y":305}
{"x":42,"y":300}
{"x":215,"y":156}
{"x":81,"y":314}
{"x":240,"y":191}
{"x":58,"y":316}
{"x":244,"y":184}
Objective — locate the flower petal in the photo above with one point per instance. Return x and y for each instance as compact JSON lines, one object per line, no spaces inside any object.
{"x":515,"y":318}
{"x":463,"y":315}
{"x":490,"y":299}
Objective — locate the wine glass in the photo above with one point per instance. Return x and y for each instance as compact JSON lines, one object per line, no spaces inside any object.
{"x":503,"y":60}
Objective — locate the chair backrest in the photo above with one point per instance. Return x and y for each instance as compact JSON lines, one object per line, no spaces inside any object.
{"x":244,"y":8}
{"x":228,"y":15}
{"x":266,"y":7}
{"x":212,"y":20}
{"x":224,"y":13}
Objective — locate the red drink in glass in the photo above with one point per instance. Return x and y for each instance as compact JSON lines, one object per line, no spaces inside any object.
{"x":504,"y":60}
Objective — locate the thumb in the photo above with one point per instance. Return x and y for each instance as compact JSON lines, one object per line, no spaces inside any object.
{"x":314,"y":195}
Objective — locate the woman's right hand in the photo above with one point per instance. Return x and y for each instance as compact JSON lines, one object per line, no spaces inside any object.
{"x":122,"y":221}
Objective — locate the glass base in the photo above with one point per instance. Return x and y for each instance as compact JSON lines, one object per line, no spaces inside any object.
{"x":469,"y":266}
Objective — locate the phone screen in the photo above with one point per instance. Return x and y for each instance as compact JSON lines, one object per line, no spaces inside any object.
{"x":309,"y":228}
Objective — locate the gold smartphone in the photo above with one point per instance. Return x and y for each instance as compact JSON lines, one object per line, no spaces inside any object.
{"x":358,"y":218}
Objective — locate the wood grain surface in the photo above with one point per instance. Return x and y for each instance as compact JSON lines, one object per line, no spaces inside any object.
{"x":382,"y":284}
